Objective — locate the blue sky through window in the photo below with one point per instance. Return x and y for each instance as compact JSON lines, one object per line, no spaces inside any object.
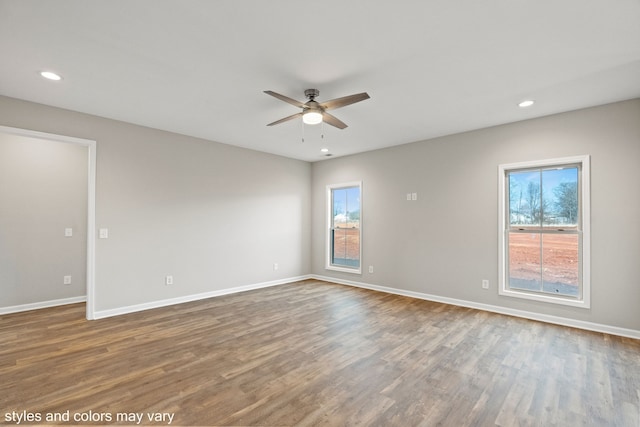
{"x":557,"y":201}
{"x":346,"y":202}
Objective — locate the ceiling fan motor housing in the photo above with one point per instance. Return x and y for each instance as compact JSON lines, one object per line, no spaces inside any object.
{"x":311,"y":93}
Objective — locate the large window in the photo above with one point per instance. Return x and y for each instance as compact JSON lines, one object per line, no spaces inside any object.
{"x":344,"y":227}
{"x":544,"y":230}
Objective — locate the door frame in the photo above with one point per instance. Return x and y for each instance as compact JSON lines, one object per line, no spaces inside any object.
{"x":91,"y":201}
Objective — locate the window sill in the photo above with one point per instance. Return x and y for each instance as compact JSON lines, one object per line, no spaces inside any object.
{"x":581,"y":303}
{"x":344,"y":269}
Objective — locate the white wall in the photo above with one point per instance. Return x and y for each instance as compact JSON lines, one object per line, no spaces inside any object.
{"x":446,"y":242}
{"x":43,"y":191}
{"x":212,"y":215}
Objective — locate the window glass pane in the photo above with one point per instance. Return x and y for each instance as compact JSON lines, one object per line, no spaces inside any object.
{"x":524,"y":198}
{"x":345,"y":233}
{"x":560,"y":264}
{"x":524,"y":261}
{"x":560,"y":196}
{"x":339,"y":207}
{"x":346,"y":247}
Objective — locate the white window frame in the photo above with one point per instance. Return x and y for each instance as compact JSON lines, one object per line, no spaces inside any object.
{"x":328,"y":264}
{"x":584,"y":299}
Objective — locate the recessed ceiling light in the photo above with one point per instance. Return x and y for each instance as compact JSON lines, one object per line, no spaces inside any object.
{"x":527,"y":103}
{"x":50,"y":75}
{"x":324,"y":150}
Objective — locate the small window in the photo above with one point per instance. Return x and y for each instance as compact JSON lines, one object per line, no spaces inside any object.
{"x":544,"y":231}
{"x":344,"y":233}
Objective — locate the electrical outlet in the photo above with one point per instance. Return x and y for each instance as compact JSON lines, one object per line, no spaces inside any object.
{"x":371,"y":269}
{"x":275,"y":266}
{"x":168,"y":280}
{"x":485,"y":284}
{"x":66,"y":280}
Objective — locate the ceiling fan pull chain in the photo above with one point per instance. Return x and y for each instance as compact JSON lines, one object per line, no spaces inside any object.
{"x":302,"y":123}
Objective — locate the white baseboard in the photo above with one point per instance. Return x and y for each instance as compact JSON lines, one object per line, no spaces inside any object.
{"x":101,"y":314}
{"x":41,"y":304}
{"x":580,"y":324}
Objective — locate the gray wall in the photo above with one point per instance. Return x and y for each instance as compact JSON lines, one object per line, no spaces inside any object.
{"x":43,"y":190}
{"x":217,"y":217}
{"x":212,"y":215}
{"x":446,"y":242}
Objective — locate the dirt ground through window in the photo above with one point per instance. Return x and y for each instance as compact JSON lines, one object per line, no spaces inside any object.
{"x":346,"y":243}
{"x":559,"y":253}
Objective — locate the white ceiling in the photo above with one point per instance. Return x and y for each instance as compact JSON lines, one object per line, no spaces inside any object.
{"x":432,"y":68}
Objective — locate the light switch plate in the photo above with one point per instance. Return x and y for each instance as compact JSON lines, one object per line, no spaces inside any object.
{"x":68,"y":232}
{"x":104,"y":233}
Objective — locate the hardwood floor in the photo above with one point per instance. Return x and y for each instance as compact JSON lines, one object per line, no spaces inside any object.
{"x":313,"y":353}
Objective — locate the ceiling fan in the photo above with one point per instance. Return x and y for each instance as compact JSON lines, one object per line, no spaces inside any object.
{"x":314,"y":112}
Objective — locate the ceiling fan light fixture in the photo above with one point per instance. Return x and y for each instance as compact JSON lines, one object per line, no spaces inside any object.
{"x":312,"y":117}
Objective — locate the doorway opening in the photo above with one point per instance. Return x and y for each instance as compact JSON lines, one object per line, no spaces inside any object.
{"x":91,"y":196}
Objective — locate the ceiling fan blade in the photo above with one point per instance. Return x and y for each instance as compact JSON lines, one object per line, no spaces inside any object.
{"x":345,"y":100}
{"x":333,"y":120}
{"x":285,"y":98}
{"x":286,"y":119}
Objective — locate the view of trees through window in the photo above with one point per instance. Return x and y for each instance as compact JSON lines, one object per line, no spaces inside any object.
{"x":543,"y":231}
{"x":345,"y":228}
{"x":544,"y":197}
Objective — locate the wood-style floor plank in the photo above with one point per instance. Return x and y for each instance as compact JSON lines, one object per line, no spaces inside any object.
{"x":313,"y":353}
